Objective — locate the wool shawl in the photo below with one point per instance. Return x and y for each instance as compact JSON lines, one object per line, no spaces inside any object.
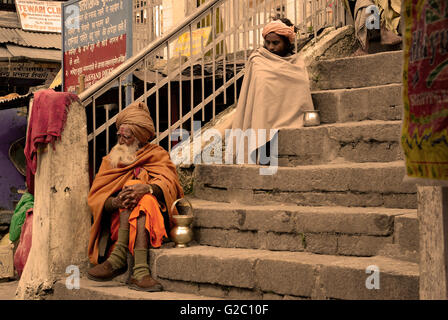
{"x":156,"y":168}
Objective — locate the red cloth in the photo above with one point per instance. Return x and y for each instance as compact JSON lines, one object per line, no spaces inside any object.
{"x":24,"y":247}
{"x":46,"y":124}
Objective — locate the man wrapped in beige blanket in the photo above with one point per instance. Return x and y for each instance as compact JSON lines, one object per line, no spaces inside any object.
{"x":275,"y":91}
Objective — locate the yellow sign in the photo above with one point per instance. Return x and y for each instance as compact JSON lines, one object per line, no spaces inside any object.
{"x":57,"y":81}
{"x":44,"y":16}
{"x":182,"y":45}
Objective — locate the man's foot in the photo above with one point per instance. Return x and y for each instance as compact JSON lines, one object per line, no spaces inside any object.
{"x":105,"y":272}
{"x":147,"y":283}
{"x":389,"y":37}
{"x":360,"y":52}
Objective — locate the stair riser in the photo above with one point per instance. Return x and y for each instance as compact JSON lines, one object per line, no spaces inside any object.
{"x":372,"y":103}
{"x":366,"y":71}
{"x":332,"y":244}
{"x":267,"y":274}
{"x":378,"y":142}
{"x":348,"y":199}
{"x":362,"y":234}
{"x":386,"y":179}
{"x":363,"y":186}
{"x":361,"y":221}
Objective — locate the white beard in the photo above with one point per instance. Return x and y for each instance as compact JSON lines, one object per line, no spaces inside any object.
{"x":123,"y":155}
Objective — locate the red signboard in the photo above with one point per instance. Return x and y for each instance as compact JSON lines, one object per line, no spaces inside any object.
{"x":97,"y":38}
{"x":94,"y":62}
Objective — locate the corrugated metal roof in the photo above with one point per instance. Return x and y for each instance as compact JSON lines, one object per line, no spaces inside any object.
{"x":9,"y":19}
{"x":15,"y":101}
{"x":4,"y":53}
{"x":35,"y":53}
{"x":41,"y":40}
{"x":8,"y":35}
{"x":30,"y":39}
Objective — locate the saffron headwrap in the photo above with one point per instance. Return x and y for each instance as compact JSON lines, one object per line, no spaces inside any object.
{"x":278,"y":27}
{"x":137,"y":117}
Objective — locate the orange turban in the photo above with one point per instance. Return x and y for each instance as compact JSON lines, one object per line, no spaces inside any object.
{"x":136,"y":116}
{"x":278,"y":27}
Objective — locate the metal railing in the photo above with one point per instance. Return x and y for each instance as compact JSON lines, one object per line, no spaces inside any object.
{"x":192,"y":71}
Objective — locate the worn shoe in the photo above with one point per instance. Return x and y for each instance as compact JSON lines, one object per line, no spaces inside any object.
{"x":105,"y":272}
{"x":147,"y":283}
{"x":389,"y":38}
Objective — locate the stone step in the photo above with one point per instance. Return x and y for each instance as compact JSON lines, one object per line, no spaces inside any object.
{"x":113,"y":290}
{"x":358,"y":72}
{"x":346,"y":184}
{"x":325,"y":230}
{"x":261,"y":274}
{"x":365,"y":141}
{"x":383,"y":102}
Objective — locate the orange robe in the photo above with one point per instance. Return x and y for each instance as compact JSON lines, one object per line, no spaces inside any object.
{"x":155,"y":168}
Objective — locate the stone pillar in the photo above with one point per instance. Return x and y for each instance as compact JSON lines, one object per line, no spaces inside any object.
{"x":433,"y":224}
{"x":61,"y":218}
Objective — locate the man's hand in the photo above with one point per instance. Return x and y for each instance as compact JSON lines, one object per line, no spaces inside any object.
{"x":133,"y":194}
{"x":119,"y":201}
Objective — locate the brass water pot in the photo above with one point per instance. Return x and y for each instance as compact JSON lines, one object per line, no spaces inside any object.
{"x":182,"y":233}
{"x":311,"y":118}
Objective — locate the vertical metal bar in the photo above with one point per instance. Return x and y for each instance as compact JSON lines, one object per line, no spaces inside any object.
{"x":180,"y":90}
{"x":224,"y":51}
{"x":169,"y":95}
{"x":213,"y":25}
{"x":235,"y":48}
{"x":295,"y":15}
{"x":254,"y":26}
{"x":94,"y":132}
{"x":145,"y":85}
{"x":157,"y":104}
{"x":259,"y":24}
{"x":305,"y":7}
{"x":107,"y":129}
{"x":202,"y":77}
{"x":245,"y":35}
{"x":326,"y":14}
{"x":191,"y":80}
{"x":120,"y":104}
{"x":132,"y":91}
{"x":296,"y":45}
{"x":237,"y":19}
{"x":313,"y":14}
{"x":265,"y":18}
{"x":338,"y":14}
{"x":333,"y":13}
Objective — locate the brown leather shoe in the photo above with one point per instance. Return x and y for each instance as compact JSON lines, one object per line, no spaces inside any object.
{"x":105,"y":272}
{"x":389,"y":38}
{"x":147,"y":283}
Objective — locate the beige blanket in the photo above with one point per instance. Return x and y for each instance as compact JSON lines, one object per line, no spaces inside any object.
{"x":274,"y":94}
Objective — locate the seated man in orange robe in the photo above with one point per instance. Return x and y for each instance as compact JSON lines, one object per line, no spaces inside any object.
{"x":131,"y":199}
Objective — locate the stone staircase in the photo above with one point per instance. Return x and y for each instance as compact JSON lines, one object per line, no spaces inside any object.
{"x":336,"y":206}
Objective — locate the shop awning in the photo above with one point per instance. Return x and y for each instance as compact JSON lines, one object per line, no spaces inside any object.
{"x":36,"y":54}
{"x":30,"y":39}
